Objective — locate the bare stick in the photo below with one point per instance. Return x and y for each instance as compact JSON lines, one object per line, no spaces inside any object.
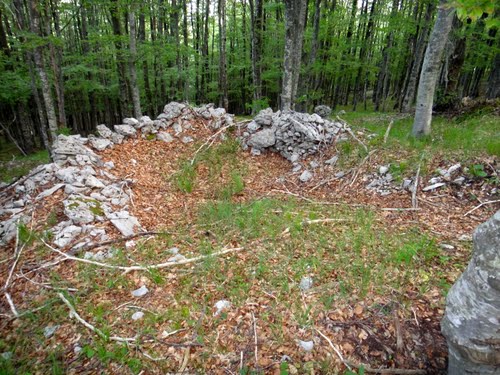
{"x":74,"y":314}
{"x":17,"y":255}
{"x":360,"y":165}
{"x":386,"y":135}
{"x":11,"y":304}
{"x":256,"y":342}
{"x":339,"y":354}
{"x":347,"y":129}
{"x":481,"y":205}
{"x":121,"y":239}
{"x":210,"y":141}
{"x":399,"y":335}
{"x":142,"y":268}
{"x":414,"y":200}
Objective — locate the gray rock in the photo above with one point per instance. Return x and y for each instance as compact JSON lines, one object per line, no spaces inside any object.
{"x":314,"y":164}
{"x":306,"y":283}
{"x":339,"y":174}
{"x":49,"y":331}
{"x":173,"y":250}
{"x":435,"y":180}
{"x":186,"y":140}
{"x":94,"y":182}
{"x":164,"y":137}
{"x":7,"y":356}
{"x":434,"y":186}
{"x":253,"y":127}
{"x":332,"y":161}
{"x":263,"y":139}
{"x":141,"y":292}
{"x":221,"y":306}
{"x":131,"y":121}
{"x":137,"y":315}
{"x":100,"y":144}
{"x":177,"y":128}
{"x":306,"y":345}
{"x":383,"y":170}
{"x":125,"y":130}
{"x":80,"y":210}
{"x":264,"y":117}
{"x":472,"y":316}
{"x":18,"y":204}
{"x":296,"y":168}
{"x":446,"y":246}
{"x":109,"y":165}
{"x":49,"y":192}
{"x":306,"y":176}
{"x":66,"y":236}
{"x":72,"y":189}
{"x":104,"y":131}
{"x":173,"y":110}
{"x":68,"y":175}
{"x":124,"y":222}
{"x":459,"y":181}
{"x":177,"y":258}
{"x":255,"y":152}
{"x":323,"y":110}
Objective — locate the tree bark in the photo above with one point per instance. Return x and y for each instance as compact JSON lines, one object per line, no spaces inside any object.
{"x":430,"y":70}
{"x":493,"y":90}
{"x":256,"y":14}
{"x":136,"y":96}
{"x":294,"y":32}
{"x":42,"y":75}
{"x":223,"y":96}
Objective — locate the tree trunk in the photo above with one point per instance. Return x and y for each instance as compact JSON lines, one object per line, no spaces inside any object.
{"x":136,"y":96}
{"x":42,"y":75}
{"x":493,"y":90}
{"x":294,"y":31}
{"x":256,"y":13}
{"x":145,"y":67}
{"x":223,"y":99}
{"x":430,"y":70}
{"x":470,"y":322}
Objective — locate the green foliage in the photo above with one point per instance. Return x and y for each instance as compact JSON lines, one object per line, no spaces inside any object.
{"x":185,"y":177}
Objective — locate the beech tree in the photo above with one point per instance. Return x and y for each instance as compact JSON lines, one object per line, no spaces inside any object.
{"x":430,"y":69}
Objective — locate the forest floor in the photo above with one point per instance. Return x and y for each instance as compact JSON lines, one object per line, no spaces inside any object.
{"x":380,"y":267}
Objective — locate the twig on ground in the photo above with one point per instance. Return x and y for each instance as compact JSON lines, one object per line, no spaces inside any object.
{"x":317,"y":221}
{"x":256,"y":342}
{"x":347,"y":129}
{"x":210,"y":141}
{"x":74,"y":314}
{"x":141,"y":268}
{"x":400,"y":209}
{"x":386,"y":135}
{"x":339,"y":354}
{"x":185,"y":360}
{"x":116,"y":240}
{"x":414,"y":200}
{"x":360,"y":165}
{"x":11,"y":304}
{"x":399,"y":334}
{"x":481,"y":205}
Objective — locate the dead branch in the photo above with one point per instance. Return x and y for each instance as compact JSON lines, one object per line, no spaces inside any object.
{"x":256,"y":341}
{"x":117,"y":240}
{"x":399,"y":334}
{"x":481,"y":205}
{"x":210,"y":141}
{"x":347,"y":129}
{"x":360,"y":165}
{"x":339,"y":354}
{"x":141,"y":268}
{"x":414,"y":200}
{"x":74,"y":314}
{"x":386,"y":135}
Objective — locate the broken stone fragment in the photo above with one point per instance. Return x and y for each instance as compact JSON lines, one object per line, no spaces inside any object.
{"x":221,"y":306}
{"x":323,"y":110}
{"x":434,"y":186}
{"x":186,"y":140}
{"x":306,"y":345}
{"x":125,"y":130}
{"x":264,"y":117}
{"x":124,"y":222}
{"x":94,"y":182}
{"x":383,"y":170}
{"x":306,"y":176}
{"x":252,"y":127}
{"x":164,"y":137}
{"x":131,"y":121}
{"x":49,"y":192}
{"x":100,"y":144}
{"x":66,"y":236}
{"x":137,"y":315}
{"x":142,"y":291}
{"x":263,"y":139}
{"x":173,"y":110}
{"x":332,"y":161}
{"x":306,"y":283}
{"x":81,"y":210}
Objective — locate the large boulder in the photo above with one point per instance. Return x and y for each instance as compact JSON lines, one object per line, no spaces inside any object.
{"x":263,"y":139}
{"x":471,"y":323}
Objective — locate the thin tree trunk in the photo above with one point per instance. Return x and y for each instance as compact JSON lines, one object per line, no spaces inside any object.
{"x":223,"y":99}
{"x":256,"y":14}
{"x":430,"y":70}
{"x":136,"y":96}
{"x":145,"y":67}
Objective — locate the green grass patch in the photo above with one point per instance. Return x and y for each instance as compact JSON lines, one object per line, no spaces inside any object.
{"x":14,"y":165}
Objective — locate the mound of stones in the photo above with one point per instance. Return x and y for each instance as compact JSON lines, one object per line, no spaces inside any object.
{"x":93,"y":196}
{"x":292,"y":134}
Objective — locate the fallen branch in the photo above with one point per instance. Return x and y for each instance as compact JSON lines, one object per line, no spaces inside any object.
{"x":317,"y":221}
{"x":141,"y":268}
{"x":74,"y":314}
{"x":256,"y":342}
{"x":386,"y":135}
{"x":210,"y":141}
{"x":339,"y":354}
{"x":360,"y":165}
{"x":414,"y":200}
{"x":481,"y":205}
{"x":347,"y":129}
{"x":116,"y":240}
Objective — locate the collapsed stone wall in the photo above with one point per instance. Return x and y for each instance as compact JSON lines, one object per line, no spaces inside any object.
{"x":292,"y":134}
{"x":92,"y":194}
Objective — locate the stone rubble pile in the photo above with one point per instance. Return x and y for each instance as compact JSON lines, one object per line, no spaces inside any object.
{"x":292,"y":134}
{"x":93,"y":195}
